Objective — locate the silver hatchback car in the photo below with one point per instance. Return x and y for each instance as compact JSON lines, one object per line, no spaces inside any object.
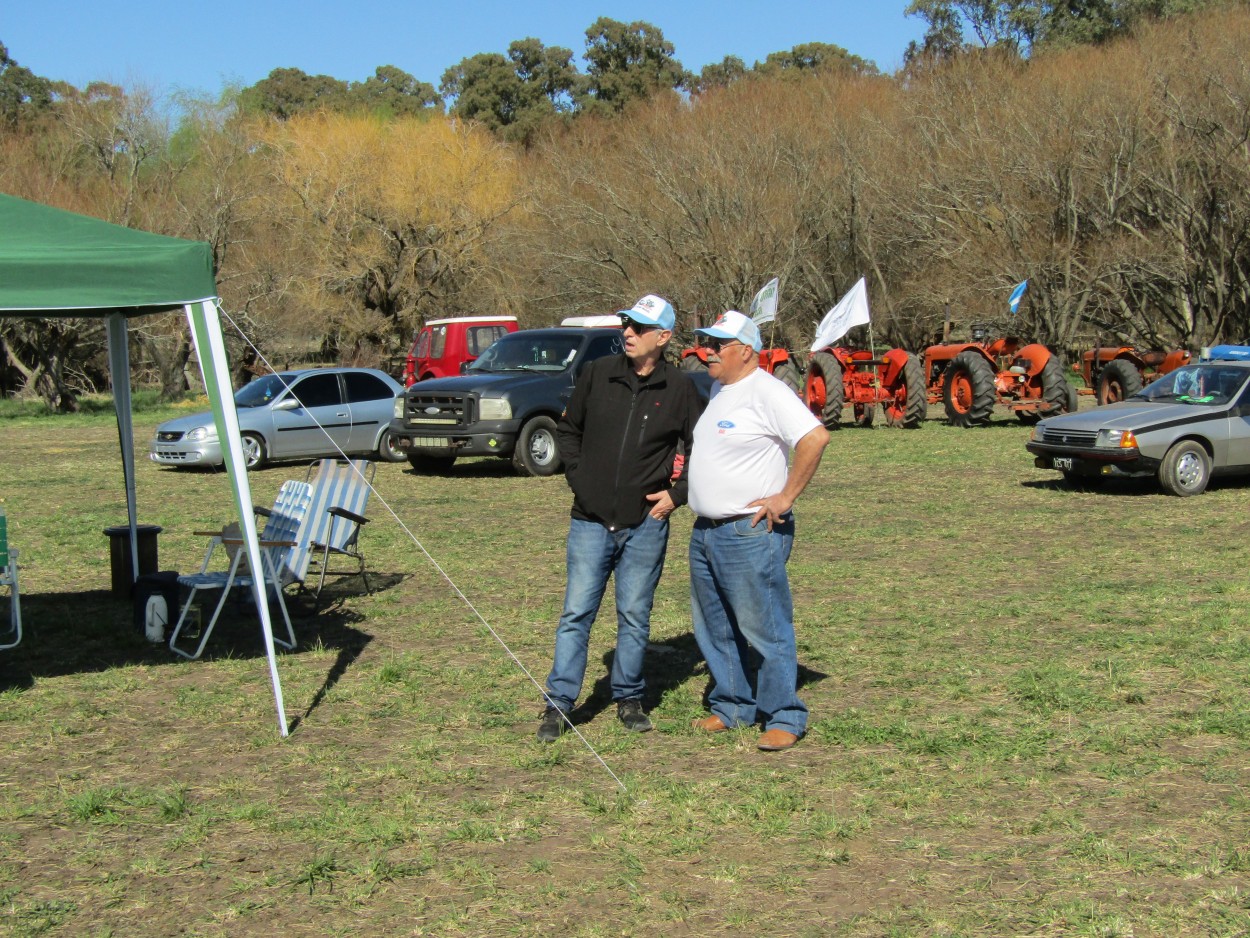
{"x":293,"y":415}
{"x":1190,"y":424}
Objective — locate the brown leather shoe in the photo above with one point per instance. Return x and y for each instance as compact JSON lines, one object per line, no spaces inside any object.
{"x":712,"y":724}
{"x":776,"y":740}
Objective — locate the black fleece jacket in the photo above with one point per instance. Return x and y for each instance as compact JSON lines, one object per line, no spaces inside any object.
{"x":619,"y":435}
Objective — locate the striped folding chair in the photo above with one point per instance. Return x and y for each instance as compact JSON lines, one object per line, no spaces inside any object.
{"x":282,"y":542}
{"x":336,"y":515}
{"x":8,"y":577}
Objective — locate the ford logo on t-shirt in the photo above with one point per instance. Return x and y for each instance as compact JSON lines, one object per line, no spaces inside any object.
{"x":725,"y":424}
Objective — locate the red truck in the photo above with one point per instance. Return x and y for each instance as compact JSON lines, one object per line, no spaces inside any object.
{"x":444,"y":345}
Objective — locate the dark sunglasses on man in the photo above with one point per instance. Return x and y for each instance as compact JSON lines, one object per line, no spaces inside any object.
{"x":638,"y":327}
{"x":716,"y":345}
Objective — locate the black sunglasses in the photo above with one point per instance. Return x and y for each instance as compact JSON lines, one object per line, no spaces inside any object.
{"x":717,"y":344}
{"x":638,"y":327}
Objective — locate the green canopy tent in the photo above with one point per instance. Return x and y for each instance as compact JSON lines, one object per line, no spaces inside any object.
{"x":55,"y":263}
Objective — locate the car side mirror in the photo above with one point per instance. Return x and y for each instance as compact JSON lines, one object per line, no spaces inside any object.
{"x":287,"y":403}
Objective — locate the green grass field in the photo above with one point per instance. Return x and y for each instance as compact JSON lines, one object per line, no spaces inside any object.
{"x":1030,"y":716}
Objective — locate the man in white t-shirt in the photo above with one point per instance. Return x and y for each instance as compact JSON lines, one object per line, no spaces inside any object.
{"x":742,"y":494}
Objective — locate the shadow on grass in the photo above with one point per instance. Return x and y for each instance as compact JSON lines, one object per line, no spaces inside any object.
{"x":667,"y":666}
{"x":485,"y":467}
{"x":93,"y":631}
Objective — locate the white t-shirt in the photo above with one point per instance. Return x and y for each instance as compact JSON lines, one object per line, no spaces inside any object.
{"x":742,"y":444}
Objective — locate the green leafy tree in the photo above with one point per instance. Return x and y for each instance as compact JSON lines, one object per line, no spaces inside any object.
{"x":286,"y":92}
{"x":392,"y":92}
{"x":513,"y":95}
{"x":810,"y":56}
{"x":23,"y":94}
{"x":721,"y":74}
{"x":628,"y":62}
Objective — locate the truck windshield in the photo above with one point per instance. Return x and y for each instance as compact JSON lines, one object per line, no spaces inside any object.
{"x":521,"y":352}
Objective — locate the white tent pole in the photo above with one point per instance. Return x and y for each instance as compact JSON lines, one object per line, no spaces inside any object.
{"x":119,"y":369}
{"x":210,"y":347}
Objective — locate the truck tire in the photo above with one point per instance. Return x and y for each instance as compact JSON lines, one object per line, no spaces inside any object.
{"x":424,"y":464}
{"x":1054,"y":393}
{"x":968,"y":391}
{"x":1186,"y":469}
{"x":1118,"y":381}
{"x":909,"y":413}
{"x":824,"y":389}
{"x":788,"y":374}
{"x":537,"y":453}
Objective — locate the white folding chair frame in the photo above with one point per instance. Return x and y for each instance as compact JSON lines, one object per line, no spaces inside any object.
{"x":8,"y":577}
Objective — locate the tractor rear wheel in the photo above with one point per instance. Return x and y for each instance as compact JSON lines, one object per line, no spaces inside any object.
{"x":909,"y":410}
{"x":824,"y":389}
{"x":1055,"y":396}
{"x":1119,"y":380}
{"x":968,"y":391}
{"x":788,"y":374}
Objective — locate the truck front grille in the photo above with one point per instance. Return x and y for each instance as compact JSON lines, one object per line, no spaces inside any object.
{"x":440,"y":410}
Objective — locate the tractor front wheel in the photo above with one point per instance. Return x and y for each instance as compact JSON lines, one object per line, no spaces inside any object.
{"x":825,"y":395}
{"x":1055,"y":393}
{"x":968,"y":391}
{"x":908,"y":408}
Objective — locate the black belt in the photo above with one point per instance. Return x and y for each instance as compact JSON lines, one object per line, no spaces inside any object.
{"x":718,"y":522}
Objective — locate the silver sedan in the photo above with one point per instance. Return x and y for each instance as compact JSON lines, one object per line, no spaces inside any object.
{"x":1189,"y":425}
{"x":305,"y":414}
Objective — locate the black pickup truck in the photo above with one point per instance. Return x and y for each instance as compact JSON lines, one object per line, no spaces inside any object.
{"x":506,"y":403}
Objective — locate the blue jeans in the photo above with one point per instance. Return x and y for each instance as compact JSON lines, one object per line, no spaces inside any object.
{"x":744,"y":622}
{"x":636,"y":557}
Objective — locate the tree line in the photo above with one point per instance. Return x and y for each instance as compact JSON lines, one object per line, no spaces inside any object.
{"x":1109,"y":166}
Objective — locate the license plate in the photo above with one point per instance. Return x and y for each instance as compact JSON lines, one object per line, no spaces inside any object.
{"x":1062,"y":462}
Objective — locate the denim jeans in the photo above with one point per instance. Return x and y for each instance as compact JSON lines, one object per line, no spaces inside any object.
{"x":635,"y":556}
{"x":744,"y":622}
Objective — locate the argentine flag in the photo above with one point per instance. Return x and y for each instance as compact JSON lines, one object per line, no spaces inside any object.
{"x":1013,"y":301}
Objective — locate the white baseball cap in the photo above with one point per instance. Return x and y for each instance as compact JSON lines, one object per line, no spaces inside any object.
{"x":732,"y":324}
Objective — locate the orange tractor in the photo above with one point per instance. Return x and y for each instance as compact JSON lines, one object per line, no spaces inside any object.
{"x":1114,"y":373}
{"x":969,"y":378}
{"x":839,"y":376}
{"x":776,"y":361}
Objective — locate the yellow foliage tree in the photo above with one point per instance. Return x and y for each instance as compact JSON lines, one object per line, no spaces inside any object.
{"x":388,"y":219}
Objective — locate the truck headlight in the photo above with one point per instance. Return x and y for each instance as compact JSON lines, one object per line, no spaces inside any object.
{"x":398,"y":409}
{"x":494,"y":408}
{"x":1115,"y":439}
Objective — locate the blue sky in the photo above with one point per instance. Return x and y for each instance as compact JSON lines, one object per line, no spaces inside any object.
{"x":170,"y":46}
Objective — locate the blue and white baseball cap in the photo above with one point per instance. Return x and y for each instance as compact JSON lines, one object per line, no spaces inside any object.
{"x":732,"y":324}
{"x":652,"y":310}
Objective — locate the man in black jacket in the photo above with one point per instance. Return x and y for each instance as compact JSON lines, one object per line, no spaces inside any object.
{"x":623,"y":438}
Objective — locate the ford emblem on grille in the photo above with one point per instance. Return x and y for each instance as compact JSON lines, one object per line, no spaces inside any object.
{"x":1064,"y":439}
{"x":431,"y":410}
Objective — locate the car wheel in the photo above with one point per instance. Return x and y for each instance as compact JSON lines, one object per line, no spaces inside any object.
{"x":430,"y":465}
{"x":253,"y":450}
{"x":537,"y":453}
{"x":388,"y":451}
{"x":1186,"y":469}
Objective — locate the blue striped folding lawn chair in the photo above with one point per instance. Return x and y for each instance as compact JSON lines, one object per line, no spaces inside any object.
{"x":8,"y":577}
{"x":283,"y":544}
{"x":337,"y":514}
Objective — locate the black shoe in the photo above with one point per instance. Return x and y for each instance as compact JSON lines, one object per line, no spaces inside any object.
{"x":630,"y":713}
{"x":552,"y":725}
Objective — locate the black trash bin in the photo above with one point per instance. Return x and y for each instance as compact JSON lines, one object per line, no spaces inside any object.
{"x":123,"y":577}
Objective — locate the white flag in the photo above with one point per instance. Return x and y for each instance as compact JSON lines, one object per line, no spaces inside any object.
{"x":852,"y":310}
{"x":764,"y":306}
